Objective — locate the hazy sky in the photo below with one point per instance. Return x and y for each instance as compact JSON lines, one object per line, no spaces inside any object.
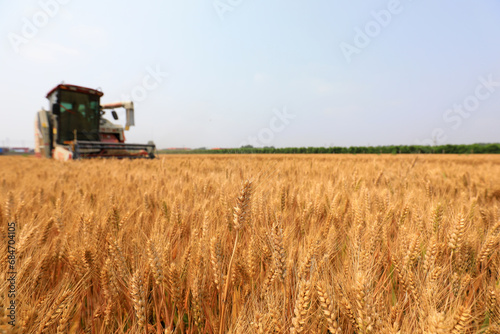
{"x":269,"y":73}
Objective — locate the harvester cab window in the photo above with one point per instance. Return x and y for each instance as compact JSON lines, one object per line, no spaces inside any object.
{"x":66,"y":107}
{"x":79,"y":112}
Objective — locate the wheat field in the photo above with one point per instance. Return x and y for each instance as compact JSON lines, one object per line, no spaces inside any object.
{"x":252,"y":244}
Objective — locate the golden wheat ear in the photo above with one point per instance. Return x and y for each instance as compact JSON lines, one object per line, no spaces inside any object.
{"x":241,"y":211}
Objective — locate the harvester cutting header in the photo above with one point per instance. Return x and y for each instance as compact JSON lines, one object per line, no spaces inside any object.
{"x":74,"y":127}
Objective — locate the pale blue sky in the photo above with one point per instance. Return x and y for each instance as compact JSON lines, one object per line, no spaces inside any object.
{"x":229,"y":73}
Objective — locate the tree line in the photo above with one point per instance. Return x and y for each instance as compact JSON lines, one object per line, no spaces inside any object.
{"x":391,"y":149}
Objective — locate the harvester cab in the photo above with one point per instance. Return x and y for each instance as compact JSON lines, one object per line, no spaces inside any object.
{"x":74,"y":127}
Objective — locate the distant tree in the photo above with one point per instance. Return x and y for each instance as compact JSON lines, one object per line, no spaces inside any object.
{"x":391,"y":149}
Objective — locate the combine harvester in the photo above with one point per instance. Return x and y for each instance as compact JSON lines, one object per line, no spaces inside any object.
{"x":74,"y":127}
